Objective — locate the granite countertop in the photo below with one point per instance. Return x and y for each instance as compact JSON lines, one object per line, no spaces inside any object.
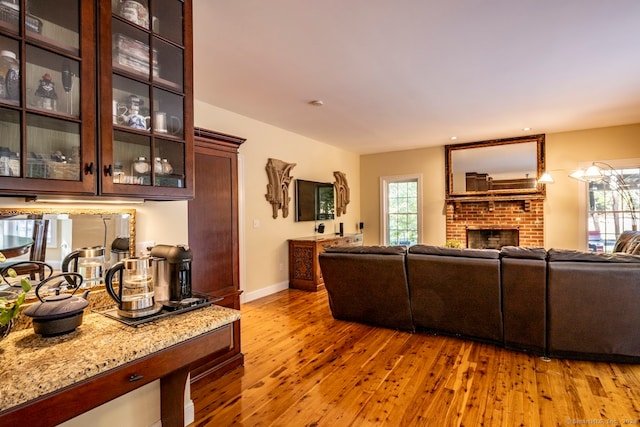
{"x":32,"y":366}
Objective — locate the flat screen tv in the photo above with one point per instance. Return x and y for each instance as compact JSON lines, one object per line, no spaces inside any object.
{"x":314,"y":200}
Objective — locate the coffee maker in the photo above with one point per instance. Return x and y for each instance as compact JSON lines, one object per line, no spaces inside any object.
{"x":173,"y":275}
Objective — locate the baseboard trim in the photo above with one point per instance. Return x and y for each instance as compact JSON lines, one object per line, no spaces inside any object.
{"x":263,"y":292}
{"x":189,"y":413}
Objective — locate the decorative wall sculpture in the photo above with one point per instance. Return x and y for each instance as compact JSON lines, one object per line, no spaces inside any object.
{"x":342,"y":192}
{"x":278,"y":187}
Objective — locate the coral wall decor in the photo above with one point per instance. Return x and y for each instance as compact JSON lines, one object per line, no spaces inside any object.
{"x":278,"y":187}
{"x":342,"y":192}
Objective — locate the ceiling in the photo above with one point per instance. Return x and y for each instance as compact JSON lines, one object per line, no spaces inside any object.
{"x":405,"y":74}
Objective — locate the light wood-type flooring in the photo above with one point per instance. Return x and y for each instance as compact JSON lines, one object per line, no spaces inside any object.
{"x":304,"y":368}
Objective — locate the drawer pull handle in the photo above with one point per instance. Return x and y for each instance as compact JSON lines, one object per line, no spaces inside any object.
{"x":135,"y":377}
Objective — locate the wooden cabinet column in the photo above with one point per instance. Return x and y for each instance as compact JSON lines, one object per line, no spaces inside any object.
{"x":213,"y":235}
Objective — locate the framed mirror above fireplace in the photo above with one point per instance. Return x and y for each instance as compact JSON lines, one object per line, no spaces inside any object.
{"x":502,"y":167}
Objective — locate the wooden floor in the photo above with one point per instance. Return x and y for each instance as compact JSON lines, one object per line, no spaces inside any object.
{"x":303,"y":368}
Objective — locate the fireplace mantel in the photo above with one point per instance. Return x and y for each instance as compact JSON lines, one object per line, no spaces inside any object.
{"x":491,"y":201}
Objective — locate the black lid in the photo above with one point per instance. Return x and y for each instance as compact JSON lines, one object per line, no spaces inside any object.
{"x":174,"y":254}
{"x":120,"y":244}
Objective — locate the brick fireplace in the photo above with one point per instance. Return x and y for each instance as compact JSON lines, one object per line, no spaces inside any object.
{"x":523,"y":218}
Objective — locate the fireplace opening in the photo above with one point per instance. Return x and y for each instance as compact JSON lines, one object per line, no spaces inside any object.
{"x":492,"y":238}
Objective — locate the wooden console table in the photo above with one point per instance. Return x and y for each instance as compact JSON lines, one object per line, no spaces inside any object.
{"x":46,"y":381}
{"x":304,"y":268}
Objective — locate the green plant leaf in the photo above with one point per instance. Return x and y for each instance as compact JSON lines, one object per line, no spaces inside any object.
{"x":26,"y":284}
{"x":5,"y":316}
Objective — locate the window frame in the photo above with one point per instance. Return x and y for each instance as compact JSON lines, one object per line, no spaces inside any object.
{"x":384,"y":202}
{"x":584,"y":199}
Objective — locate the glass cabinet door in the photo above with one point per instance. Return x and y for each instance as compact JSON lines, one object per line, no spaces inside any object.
{"x":148,"y":104}
{"x":48,"y":131}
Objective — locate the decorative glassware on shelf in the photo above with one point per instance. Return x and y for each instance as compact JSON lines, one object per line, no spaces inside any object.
{"x":46,"y":96}
{"x":166,"y":167}
{"x":9,"y":76}
{"x":141,"y":166}
{"x":9,"y":162}
{"x":135,"y":12}
{"x":157,"y":166}
{"x":10,"y":13}
{"x":118,"y":173}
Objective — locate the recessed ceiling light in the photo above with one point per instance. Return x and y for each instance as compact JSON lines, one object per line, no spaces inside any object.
{"x":453,"y":138}
{"x":316,"y":103}
{"x":526,"y":129}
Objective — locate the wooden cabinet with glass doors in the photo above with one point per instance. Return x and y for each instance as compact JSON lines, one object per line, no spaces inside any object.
{"x":84,"y":114}
{"x":47,"y":87}
{"x":147,"y":112}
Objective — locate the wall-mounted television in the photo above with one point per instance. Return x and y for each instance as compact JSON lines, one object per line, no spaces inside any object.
{"x":314,"y":200}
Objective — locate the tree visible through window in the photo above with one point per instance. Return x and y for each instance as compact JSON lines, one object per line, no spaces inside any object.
{"x":402,"y":212}
{"x":613,"y":207}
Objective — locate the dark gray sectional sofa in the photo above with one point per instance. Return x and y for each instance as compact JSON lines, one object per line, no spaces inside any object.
{"x":368,"y":285}
{"x":558,"y":303}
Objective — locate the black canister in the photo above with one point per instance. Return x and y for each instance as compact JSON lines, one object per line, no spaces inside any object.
{"x":173,"y":277}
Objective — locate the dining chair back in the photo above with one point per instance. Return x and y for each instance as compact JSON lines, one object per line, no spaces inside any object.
{"x":37,"y":252}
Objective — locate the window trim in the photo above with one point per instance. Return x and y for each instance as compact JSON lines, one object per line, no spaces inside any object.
{"x":583,"y":196}
{"x":384,"y":181}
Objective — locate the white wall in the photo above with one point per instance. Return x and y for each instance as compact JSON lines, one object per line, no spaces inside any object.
{"x":565,"y":216}
{"x":266,"y":247}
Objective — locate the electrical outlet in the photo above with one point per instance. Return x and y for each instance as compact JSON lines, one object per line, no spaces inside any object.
{"x":282,"y":266}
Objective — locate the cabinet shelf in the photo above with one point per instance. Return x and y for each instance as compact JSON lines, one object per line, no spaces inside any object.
{"x":52,"y":43}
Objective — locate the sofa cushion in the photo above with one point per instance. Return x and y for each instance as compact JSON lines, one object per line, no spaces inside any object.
{"x":592,"y":302}
{"x":556,"y":255}
{"x":524,"y":298}
{"x":378,"y":250}
{"x":454,"y":293}
{"x":463,"y":252}
{"x":522,"y":252}
{"x":368,"y":287}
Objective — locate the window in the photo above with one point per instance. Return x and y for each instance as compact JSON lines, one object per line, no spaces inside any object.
{"x":401,"y":216}
{"x":613,"y":207}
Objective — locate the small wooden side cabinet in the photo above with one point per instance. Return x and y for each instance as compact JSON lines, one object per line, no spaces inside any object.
{"x":304,"y":268}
